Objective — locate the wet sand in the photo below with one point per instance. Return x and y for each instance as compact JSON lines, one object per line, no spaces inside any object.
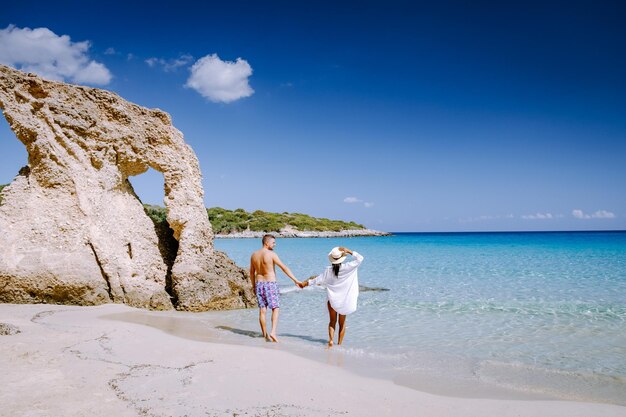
{"x":116,"y":360}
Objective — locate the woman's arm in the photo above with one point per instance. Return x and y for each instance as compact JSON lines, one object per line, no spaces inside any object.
{"x":345,"y":250}
{"x":358,"y":258}
{"x":314,"y":281}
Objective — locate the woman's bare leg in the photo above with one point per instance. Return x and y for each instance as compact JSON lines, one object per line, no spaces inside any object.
{"x":332,"y":321}
{"x":342,"y":328}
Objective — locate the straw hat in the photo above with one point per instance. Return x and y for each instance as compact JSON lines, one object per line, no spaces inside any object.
{"x":336,"y":256}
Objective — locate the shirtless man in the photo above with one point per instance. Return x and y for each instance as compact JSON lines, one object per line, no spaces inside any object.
{"x":263,"y":277}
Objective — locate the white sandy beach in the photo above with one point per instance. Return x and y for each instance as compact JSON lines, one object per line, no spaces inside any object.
{"x":75,"y":361}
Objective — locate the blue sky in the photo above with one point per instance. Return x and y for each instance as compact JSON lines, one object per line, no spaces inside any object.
{"x":403,"y":116}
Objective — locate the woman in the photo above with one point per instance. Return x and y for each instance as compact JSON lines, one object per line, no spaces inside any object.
{"x":342,"y":287}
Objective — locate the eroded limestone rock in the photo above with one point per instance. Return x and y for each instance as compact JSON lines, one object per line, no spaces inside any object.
{"x":8,"y":329}
{"x":72,"y":230}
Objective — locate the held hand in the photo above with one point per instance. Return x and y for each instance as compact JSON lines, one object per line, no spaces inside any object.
{"x":298,"y":284}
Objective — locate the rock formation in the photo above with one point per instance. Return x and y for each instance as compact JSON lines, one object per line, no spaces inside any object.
{"x":72,"y":230}
{"x":8,"y":329}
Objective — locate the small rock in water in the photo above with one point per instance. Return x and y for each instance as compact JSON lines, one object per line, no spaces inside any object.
{"x":8,"y":329}
{"x":363,"y":288}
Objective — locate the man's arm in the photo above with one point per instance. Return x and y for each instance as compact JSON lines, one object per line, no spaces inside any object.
{"x":252,"y":274}
{"x":286,"y":270}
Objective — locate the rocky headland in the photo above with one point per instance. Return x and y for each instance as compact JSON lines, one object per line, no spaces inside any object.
{"x":289,"y":233}
{"x":243,"y":224}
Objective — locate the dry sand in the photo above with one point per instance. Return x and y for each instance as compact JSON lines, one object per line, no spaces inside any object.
{"x":77,"y":361}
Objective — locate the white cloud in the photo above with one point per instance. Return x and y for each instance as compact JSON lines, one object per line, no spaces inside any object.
{"x":600,"y":214}
{"x":170,"y":64}
{"x":92,"y":74}
{"x":603,"y":214}
{"x":486,"y":218}
{"x":538,"y":216}
{"x":51,"y":56}
{"x":110,"y":51}
{"x":220,"y":81}
{"x":355,"y":200}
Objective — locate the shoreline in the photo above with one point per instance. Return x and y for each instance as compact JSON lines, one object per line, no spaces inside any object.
{"x":109,"y":360}
{"x":293,"y":233}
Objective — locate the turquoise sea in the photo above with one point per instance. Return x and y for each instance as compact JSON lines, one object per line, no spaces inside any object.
{"x":538,"y":315}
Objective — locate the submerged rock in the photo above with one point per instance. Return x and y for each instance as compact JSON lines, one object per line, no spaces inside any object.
{"x":363,"y":288}
{"x":73,"y":231}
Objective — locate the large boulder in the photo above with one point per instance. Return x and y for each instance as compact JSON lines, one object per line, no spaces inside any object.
{"x":72,"y":230}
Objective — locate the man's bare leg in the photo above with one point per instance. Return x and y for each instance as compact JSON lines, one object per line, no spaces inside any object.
{"x":332,"y":321}
{"x":275,"y":312}
{"x":342,"y":328}
{"x":262,"y":311}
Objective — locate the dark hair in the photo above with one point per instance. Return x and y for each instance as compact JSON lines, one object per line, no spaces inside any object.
{"x":336,"y":269}
{"x":266,"y":238}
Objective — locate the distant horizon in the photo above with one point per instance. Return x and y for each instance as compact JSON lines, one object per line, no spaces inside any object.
{"x":161,"y":204}
{"x":513,"y":231}
{"x":398,"y":116}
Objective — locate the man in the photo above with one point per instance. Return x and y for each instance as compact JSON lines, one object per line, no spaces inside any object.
{"x":263,"y":277}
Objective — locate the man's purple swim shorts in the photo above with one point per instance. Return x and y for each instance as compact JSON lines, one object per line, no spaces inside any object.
{"x":268,"y":295}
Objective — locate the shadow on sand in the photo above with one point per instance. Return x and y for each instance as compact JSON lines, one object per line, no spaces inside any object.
{"x":248,"y":333}
{"x":253,"y":334}
{"x":307,"y":338}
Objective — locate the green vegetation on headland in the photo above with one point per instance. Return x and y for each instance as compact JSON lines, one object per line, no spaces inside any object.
{"x":239,"y":220}
{"x":233,"y":221}
{"x":1,"y":187}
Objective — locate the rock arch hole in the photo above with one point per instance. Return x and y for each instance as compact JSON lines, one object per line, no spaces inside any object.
{"x":13,"y":154}
{"x":149,"y":188}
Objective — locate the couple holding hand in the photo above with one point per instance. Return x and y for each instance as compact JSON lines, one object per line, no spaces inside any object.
{"x":340,"y":279}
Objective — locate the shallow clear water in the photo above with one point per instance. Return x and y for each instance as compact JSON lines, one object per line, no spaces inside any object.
{"x":535,"y":312}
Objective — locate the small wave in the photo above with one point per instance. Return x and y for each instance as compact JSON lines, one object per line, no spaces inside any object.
{"x":287,"y":290}
{"x":290,"y":289}
{"x":597,"y":312}
{"x":572,"y":385}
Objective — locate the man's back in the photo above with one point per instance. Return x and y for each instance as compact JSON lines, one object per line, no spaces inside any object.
{"x":263,"y":263}
{"x":263,"y":277}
